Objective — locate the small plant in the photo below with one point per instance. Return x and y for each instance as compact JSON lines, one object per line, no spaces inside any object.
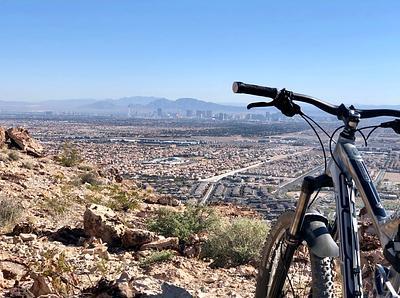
{"x":194,"y":219}
{"x":156,"y":257}
{"x":13,"y":155}
{"x":102,"y":267}
{"x":10,"y":211}
{"x":235,"y":243}
{"x":69,"y":156}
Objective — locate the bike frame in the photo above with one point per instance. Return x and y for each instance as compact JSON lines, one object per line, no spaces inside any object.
{"x":347,"y":172}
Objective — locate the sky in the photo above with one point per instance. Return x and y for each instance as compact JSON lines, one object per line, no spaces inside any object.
{"x":339,"y":51}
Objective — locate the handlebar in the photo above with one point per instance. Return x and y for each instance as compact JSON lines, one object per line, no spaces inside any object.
{"x":339,"y":111}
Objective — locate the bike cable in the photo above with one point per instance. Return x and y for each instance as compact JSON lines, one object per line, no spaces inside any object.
{"x":305,"y":117}
{"x":330,"y":148}
{"x":308,"y":119}
{"x":374,"y":127}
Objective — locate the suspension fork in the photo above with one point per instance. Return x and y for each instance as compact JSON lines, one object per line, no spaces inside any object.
{"x":310,"y":184}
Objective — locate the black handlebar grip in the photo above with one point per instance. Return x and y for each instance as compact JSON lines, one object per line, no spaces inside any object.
{"x":239,"y":87}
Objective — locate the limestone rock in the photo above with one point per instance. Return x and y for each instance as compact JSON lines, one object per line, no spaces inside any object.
{"x":21,"y":137}
{"x":102,"y":222}
{"x":134,"y":238}
{"x":161,"y":244}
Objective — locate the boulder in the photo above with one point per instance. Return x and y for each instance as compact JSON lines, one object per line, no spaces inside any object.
{"x":21,"y":138}
{"x":41,"y":285}
{"x":28,"y":237}
{"x":141,"y":286}
{"x":12,"y":270}
{"x":24,"y":227}
{"x":161,"y":244}
{"x":135,"y":238}
{"x":102,"y":222}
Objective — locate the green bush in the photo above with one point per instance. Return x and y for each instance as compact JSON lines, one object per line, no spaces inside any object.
{"x":235,"y":243}
{"x":121,"y":199}
{"x":69,"y":156}
{"x":10,"y":211}
{"x":194,"y":219}
{"x":156,"y":257}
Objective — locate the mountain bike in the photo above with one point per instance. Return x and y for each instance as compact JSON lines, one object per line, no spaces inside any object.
{"x":303,"y":243}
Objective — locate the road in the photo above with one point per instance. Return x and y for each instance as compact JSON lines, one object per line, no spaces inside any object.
{"x":214,"y":179}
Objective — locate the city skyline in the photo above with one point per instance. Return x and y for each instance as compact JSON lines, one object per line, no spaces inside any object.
{"x":339,"y":52}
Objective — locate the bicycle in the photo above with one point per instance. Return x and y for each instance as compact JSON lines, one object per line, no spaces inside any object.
{"x":304,"y":239}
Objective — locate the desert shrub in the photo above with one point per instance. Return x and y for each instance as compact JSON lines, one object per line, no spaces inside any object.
{"x":13,"y":155}
{"x":122,"y":199}
{"x":194,"y":219}
{"x":90,"y":178}
{"x":156,"y":257}
{"x":28,"y":165}
{"x":235,"y":243}
{"x":10,"y":211}
{"x":69,"y":156}
{"x":4,"y":157}
{"x":60,"y":271}
{"x":56,"y":205}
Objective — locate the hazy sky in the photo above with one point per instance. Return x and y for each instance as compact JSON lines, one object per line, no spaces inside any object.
{"x":336,"y":50}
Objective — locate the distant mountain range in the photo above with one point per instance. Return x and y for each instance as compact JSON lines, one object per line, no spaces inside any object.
{"x":139,"y":104}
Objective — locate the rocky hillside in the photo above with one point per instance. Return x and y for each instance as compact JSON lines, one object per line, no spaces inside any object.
{"x":70,"y":230}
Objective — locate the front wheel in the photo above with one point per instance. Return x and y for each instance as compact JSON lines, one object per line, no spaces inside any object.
{"x":293,"y":271}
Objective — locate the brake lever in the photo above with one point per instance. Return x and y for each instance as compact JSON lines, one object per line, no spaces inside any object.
{"x":260,"y":104}
{"x":395,"y":125}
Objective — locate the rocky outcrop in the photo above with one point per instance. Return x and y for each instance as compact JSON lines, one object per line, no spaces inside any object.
{"x":144,"y":286}
{"x":3,"y":137}
{"x":102,"y":222}
{"x":21,"y":138}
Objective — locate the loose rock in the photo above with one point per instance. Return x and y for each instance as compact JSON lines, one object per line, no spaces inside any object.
{"x":134,"y":238}
{"x":161,"y":244}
